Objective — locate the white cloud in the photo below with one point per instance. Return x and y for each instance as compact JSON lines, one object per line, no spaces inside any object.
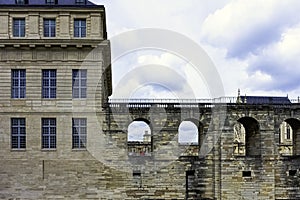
{"x":280,"y":61}
{"x":254,"y":44}
{"x":154,"y":74}
{"x":244,"y":27}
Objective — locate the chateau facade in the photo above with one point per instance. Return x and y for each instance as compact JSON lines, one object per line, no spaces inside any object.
{"x":60,"y":137}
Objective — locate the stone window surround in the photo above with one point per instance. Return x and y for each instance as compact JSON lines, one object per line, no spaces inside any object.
{"x":11,"y":25}
{"x":72,"y":25}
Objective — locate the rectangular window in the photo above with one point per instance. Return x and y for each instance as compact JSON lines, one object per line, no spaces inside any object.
{"x":79,"y":28}
{"x":49,"y":27}
{"x":18,"y":83}
{"x":49,"y":83}
{"x":19,"y":27}
{"x":48,"y":133}
{"x":79,"y":83}
{"x":18,"y":133}
{"x":246,"y":173}
{"x":79,"y":133}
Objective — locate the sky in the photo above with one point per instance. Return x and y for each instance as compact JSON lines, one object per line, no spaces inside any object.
{"x":254,"y":46}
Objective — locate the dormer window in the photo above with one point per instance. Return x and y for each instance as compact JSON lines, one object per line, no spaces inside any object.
{"x":80,"y":1}
{"x":21,"y":2}
{"x":51,"y":2}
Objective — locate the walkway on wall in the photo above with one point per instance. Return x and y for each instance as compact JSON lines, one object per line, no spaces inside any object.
{"x":180,"y":103}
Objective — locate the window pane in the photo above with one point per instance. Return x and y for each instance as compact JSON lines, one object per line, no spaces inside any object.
{"x":18,"y":83}
{"x":79,"y":83}
{"x":79,"y":28}
{"x":49,"y":84}
{"x":18,"y":133}
{"x":19,"y":27}
{"x":49,"y":28}
{"x":83,"y":93}
{"x":79,"y":133}
{"x":49,"y":133}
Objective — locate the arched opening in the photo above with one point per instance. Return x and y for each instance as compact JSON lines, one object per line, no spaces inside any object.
{"x":139,"y":138}
{"x":188,"y":133}
{"x":289,"y":139}
{"x":190,"y":137}
{"x":252,"y":136}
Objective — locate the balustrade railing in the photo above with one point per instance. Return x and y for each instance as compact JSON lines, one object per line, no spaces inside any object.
{"x":116,"y":102}
{"x":176,"y":101}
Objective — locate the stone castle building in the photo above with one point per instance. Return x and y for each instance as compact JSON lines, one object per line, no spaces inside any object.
{"x":60,"y":137}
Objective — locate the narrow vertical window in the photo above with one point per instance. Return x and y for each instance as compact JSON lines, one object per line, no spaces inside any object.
{"x":49,"y":27}
{"x":288,"y":132}
{"x":79,"y":28}
{"x":79,"y":83}
{"x":19,"y":27}
{"x":49,"y":84}
{"x":18,"y":133}
{"x":48,"y":133}
{"x":18,"y":83}
{"x":79,"y":133}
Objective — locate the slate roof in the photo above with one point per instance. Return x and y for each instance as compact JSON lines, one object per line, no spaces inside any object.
{"x":265,"y":100}
{"x":43,"y":2}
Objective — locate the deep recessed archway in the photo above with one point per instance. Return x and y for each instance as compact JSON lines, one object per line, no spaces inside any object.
{"x":252,"y":136}
{"x":289,"y":136}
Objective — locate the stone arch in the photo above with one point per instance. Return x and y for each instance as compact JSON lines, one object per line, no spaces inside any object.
{"x":290,"y":128}
{"x":252,"y":136}
{"x":193,"y":131}
{"x":139,"y":137}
